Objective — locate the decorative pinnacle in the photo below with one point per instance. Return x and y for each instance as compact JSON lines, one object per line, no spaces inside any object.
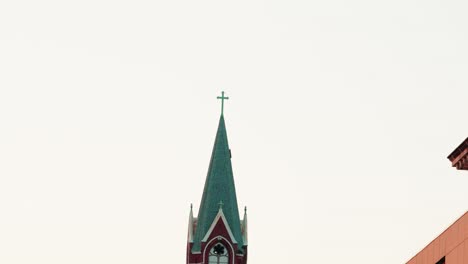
{"x":191,"y":206}
{"x":222,"y":97}
{"x":220,"y":204}
{"x":245,"y":209}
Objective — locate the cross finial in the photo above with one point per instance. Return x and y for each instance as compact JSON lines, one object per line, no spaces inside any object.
{"x":220,"y":204}
{"x":222,"y":97}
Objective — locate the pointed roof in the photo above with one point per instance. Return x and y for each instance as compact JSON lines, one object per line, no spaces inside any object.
{"x":219,"y":191}
{"x":190,"y":225}
{"x":244,"y":227}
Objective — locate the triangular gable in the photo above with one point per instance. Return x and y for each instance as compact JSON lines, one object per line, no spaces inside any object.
{"x":222,"y":217}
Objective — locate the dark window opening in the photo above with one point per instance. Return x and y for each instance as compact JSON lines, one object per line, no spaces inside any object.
{"x":441,"y":261}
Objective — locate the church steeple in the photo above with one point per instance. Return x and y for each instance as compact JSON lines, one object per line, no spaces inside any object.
{"x":219,"y":188}
{"x":217,"y":234}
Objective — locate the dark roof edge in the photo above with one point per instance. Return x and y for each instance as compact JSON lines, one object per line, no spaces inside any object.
{"x":458,"y":150}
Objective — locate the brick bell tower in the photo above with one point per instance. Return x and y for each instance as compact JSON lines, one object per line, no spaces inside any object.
{"x":218,"y":235}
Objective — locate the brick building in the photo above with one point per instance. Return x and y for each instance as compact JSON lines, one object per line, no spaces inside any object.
{"x":450,"y":247}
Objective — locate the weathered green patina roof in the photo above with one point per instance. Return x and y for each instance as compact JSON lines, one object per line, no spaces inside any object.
{"x":219,"y":187}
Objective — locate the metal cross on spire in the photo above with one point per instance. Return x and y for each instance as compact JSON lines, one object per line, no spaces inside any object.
{"x":222,"y":97}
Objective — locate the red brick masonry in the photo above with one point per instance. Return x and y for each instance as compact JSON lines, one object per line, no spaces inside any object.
{"x":450,"y":247}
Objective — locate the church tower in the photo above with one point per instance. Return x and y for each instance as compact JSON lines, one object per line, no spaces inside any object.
{"x":218,"y":235}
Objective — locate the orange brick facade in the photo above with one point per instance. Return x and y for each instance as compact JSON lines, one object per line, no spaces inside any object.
{"x":450,"y":247}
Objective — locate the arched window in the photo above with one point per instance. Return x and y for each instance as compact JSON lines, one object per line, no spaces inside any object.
{"x":218,"y":255}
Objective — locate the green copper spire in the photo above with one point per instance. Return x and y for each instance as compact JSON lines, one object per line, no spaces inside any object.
{"x":222,"y":101}
{"x":219,"y":192}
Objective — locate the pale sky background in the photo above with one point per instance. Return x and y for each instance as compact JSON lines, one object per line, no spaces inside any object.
{"x":340,"y":119}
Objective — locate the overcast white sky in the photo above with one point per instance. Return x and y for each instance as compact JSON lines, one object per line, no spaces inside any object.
{"x":340,"y":119}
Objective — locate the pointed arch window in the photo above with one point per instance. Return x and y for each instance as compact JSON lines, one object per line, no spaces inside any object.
{"x":218,"y":255}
